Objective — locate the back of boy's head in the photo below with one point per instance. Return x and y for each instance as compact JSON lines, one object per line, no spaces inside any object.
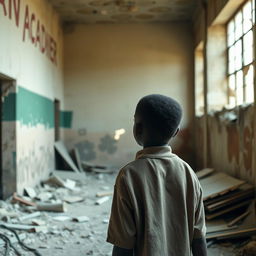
{"x":161,"y":115}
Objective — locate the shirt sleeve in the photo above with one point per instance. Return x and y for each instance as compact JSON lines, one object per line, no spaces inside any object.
{"x":199,"y":226}
{"x":121,"y":230}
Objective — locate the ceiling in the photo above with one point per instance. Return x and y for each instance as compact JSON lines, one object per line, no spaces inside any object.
{"x":124,"y":11}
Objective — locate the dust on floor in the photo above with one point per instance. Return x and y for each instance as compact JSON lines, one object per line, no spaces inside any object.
{"x":69,"y":238}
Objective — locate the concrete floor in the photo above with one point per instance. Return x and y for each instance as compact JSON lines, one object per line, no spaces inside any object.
{"x":68,"y":238}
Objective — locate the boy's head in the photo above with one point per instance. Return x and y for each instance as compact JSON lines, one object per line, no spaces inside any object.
{"x":156,"y":120}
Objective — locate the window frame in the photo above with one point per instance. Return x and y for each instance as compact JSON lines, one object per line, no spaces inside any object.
{"x":228,"y":47}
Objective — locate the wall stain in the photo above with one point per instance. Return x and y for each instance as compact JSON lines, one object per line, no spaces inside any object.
{"x":233,"y":143}
{"x":108,"y":144}
{"x":31,"y":165}
{"x":247,"y":152}
{"x":86,"y":150}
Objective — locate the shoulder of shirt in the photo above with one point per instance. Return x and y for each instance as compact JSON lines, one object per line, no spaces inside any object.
{"x":132,"y":166}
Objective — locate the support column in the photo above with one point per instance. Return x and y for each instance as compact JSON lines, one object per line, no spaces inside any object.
{"x":205,"y":135}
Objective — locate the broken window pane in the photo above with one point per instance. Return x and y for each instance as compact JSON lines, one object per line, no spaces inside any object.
{"x":238,"y":26}
{"x":247,"y":17}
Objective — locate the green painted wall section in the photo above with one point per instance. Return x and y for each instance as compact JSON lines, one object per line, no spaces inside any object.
{"x":34,"y":109}
{"x":9,"y":108}
{"x":29,"y":108}
{"x":66,"y":119}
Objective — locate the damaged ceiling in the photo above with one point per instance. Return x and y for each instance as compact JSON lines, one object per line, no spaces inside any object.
{"x":124,"y":11}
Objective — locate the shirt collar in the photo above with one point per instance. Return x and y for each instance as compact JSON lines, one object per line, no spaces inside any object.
{"x":154,"y":152}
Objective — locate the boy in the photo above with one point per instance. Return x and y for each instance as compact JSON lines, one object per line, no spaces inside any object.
{"x":157,"y":208}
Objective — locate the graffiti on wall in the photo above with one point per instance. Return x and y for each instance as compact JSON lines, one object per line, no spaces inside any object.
{"x":33,"y":29}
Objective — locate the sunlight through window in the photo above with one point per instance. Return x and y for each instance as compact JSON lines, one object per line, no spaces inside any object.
{"x":240,"y":55}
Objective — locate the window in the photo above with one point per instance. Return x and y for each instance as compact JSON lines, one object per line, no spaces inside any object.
{"x":240,"y":55}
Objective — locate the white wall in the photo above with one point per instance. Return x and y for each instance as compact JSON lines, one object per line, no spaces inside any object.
{"x":39,"y":80}
{"x":108,"y":68}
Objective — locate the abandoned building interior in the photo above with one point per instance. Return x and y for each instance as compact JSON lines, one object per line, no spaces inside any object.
{"x":71,"y":74}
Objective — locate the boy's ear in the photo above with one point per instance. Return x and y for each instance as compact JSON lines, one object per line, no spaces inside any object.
{"x":178,"y":129}
{"x":139,"y":128}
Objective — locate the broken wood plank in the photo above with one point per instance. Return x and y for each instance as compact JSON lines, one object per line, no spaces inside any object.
{"x":204,"y":172}
{"x":239,"y":218}
{"x":19,"y":226}
{"x":107,"y":193}
{"x":102,"y":200}
{"x":243,"y":232}
{"x":218,"y":184}
{"x":18,"y":199}
{"x":62,"y":150}
{"x":241,"y":189}
{"x":228,"y":209}
{"x":62,"y":218}
{"x":60,"y":207}
{"x":243,"y":195}
{"x":219,"y":228}
{"x":30,"y":216}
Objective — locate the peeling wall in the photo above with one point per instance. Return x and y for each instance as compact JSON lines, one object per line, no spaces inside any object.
{"x":231,"y":142}
{"x":31,"y":55}
{"x":108,"y":68}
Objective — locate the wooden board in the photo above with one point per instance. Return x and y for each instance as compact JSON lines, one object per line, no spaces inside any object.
{"x":204,"y":172}
{"x":243,"y":195}
{"x":219,"y":228}
{"x":241,"y":232}
{"x":62,"y":150}
{"x":227,"y":210}
{"x":247,"y":228}
{"x":218,"y":184}
{"x":230,"y":194}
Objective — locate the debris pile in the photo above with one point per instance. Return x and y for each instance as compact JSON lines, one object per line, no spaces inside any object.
{"x":229,"y":205}
{"x":73,"y":161}
{"x":49,"y":210}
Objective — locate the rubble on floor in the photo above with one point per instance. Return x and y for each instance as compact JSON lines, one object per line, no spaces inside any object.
{"x":51,"y":211}
{"x":229,"y":206}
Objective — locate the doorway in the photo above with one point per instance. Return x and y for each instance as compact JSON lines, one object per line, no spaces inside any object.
{"x":8,"y":177}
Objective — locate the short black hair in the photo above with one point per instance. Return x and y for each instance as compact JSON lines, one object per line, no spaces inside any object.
{"x":160,"y":114}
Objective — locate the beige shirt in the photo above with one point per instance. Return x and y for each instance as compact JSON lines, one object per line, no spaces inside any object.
{"x":157,"y":207}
